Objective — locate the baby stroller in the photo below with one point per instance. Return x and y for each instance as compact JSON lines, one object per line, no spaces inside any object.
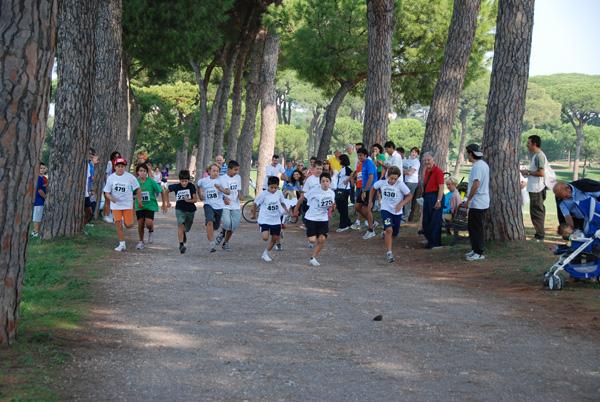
{"x":581,"y":259}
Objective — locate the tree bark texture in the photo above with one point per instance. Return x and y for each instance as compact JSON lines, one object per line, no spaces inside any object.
{"x":28,"y":29}
{"x":203,"y":118}
{"x":463,"y":141}
{"x":236,"y":107}
{"x":224,"y":100}
{"x":381,"y":24}
{"x":63,"y":210}
{"x":450,"y":83}
{"x":330,"y":115}
{"x":504,"y":118}
{"x":244,"y":152}
{"x":268,"y":121}
{"x":107,"y":114}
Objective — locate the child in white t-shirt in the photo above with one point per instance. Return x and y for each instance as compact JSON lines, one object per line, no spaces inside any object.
{"x":270,"y":202}
{"x":319,"y":200}
{"x":394,"y":196}
{"x":211,"y":193}
{"x":119,"y":189}
{"x":231,"y":211}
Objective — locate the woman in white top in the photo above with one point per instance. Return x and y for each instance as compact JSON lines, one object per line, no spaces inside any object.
{"x":342,"y":182}
{"x":411,"y":178}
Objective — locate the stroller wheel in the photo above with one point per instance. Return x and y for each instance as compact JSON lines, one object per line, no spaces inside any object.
{"x":559,"y":282}
{"x":555,"y":282}
{"x":545,"y":278}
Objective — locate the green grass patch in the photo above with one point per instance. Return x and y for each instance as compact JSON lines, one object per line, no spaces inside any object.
{"x":55,"y":293}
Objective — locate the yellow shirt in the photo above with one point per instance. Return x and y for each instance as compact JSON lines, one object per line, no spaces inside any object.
{"x":335,"y":164}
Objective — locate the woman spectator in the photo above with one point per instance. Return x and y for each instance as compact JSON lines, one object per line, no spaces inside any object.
{"x":343,"y":183}
{"x":452,"y":200}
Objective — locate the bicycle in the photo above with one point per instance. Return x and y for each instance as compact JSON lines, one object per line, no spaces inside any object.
{"x":249,"y":206}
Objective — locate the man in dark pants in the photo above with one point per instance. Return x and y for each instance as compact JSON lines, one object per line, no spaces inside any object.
{"x":536,"y":186}
{"x":478,"y":201}
{"x":433,"y":199}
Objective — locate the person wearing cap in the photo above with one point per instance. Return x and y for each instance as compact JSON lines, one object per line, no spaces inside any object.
{"x":120,"y":189}
{"x":477,"y":201}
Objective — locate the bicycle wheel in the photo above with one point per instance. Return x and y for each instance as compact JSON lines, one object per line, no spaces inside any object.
{"x":247,"y":211}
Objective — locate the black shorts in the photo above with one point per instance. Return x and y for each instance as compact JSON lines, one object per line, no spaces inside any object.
{"x":359,"y":193}
{"x":87,"y":203}
{"x":144,"y":213}
{"x":315,"y":228}
{"x":274,"y":230}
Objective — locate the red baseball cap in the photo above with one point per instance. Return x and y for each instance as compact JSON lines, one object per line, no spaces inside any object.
{"x":120,"y":161}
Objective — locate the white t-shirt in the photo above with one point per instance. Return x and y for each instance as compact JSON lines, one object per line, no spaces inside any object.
{"x":272,"y":171}
{"x":121,"y":187}
{"x":212,"y":196}
{"x":87,"y":181}
{"x":536,"y":184}
{"x":319,"y":202}
{"x":480,"y":171}
{"x":395,"y":159}
{"x":270,"y":207}
{"x":342,"y":177}
{"x":310,"y":183}
{"x":109,"y":168}
{"x":391,"y":196}
{"x":234,"y":184}
{"x":412,"y":164}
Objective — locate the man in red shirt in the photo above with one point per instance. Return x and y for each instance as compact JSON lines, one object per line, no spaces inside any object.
{"x":433,"y":199}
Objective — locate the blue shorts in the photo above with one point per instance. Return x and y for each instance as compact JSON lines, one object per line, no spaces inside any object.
{"x":274,"y":230}
{"x":212,"y":215}
{"x":392,"y":220}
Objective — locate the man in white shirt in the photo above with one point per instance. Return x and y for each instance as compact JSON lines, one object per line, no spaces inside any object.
{"x":394,"y":159}
{"x":536,"y":186}
{"x":274,"y":169}
{"x":478,"y":201}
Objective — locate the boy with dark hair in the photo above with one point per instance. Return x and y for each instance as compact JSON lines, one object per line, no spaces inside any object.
{"x":212,"y":194}
{"x":40,"y":199}
{"x":269,"y":216}
{"x":310,"y":183}
{"x":185,"y":208}
{"x":319,"y":199}
{"x":231,"y":211}
{"x":366,"y":175}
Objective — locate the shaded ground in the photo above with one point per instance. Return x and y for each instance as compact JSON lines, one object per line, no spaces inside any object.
{"x":229,"y":326}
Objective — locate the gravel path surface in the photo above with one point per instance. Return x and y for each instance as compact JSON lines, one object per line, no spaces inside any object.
{"x":229,"y":326}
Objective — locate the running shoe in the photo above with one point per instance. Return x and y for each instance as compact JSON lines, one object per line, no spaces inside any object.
{"x":219,"y":238}
{"x":278,"y":247}
{"x":390,"y":257}
{"x":311,"y":245}
{"x":355,"y":226}
{"x":470,"y":253}
{"x":151,"y":237}
{"x":140,"y":245}
{"x":91,"y":225}
{"x":226,"y":247}
{"x":369,"y":235}
{"x":34,"y":234}
{"x":265,"y":256}
{"x":212,"y":247}
{"x":314,"y":263}
{"x":303,"y":226}
{"x":476,"y":257}
{"x":107,"y":219}
{"x":375,"y":224}
{"x":121,"y":247}
{"x":182,"y":248}
{"x":340,"y":230}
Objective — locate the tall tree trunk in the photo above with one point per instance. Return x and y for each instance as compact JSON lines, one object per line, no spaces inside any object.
{"x":268,"y":112}
{"x":130,"y":141}
{"x":450,"y":83}
{"x":463,"y":141}
{"x":504,"y":118}
{"x":331,"y":113}
{"x":224,"y":100}
{"x":244,"y":152}
{"x":63,"y":210}
{"x":106,"y":118}
{"x":26,"y":63}
{"x":193,"y":158}
{"x":381,"y":24}
{"x":203,"y":118}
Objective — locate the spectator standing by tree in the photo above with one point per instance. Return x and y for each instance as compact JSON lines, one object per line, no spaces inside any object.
{"x":478,"y":201}
{"x":536,"y":186}
{"x":432,"y":201}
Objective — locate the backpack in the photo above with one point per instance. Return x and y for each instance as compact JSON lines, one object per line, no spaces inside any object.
{"x":549,"y":176}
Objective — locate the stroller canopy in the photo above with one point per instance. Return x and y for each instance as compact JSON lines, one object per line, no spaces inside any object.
{"x":591,"y":212}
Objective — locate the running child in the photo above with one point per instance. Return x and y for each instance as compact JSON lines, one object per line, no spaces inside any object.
{"x":320,"y":199}
{"x":394,"y":196}
{"x":310,"y":182}
{"x":231,"y":184}
{"x":185,"y":206}
{"x":119,"y":189}
{"x":145,"y":215}
{"x":269,"y":218}
{"x":212,"y":194}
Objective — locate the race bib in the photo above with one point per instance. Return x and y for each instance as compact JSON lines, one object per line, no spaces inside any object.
{"x":181,"y":194}
{"x":325,"y":202}
{"x":145,"y":196}
{"x":273,"y":206}
{"x":389,"y":193}
{"x":233,"y":186}
{"x":119,"y":188}
{"x":211,"y":194}
{"x":359,"y":176}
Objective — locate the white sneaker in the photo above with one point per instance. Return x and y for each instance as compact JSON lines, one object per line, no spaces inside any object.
{"x":107,"y":219}
{"x":212,"y":247}
{"x":314,"y":263}
{"x":151,"y":237}
{"x":476,"y":257}
{"x":311,"y":245}
{"x":470,"y":253}
{"x":121,"y":247}
{"x":278,"y":247}
{"x":265,"y":256}
{"x":369,"y":235}
{"x":140,"y":245}
{"x":34,"y":234}
{"x":375,"y":224}
{"x":219,"y":238}
{"x":340,"y":230}
{"x":355,"y":226}
{"x":390,"y":257}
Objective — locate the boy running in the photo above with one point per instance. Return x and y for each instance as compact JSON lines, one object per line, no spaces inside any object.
{"x":232,"y":182}
{"x":145,"y":216}
{"x":311,"y":182}
{"x":212,"y":194}
{"x":394,"y":196}
{"x":269,"y":217}
{"x":119,"y":189}
{"x":185,"y":208}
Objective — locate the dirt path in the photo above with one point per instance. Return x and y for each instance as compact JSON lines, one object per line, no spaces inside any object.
{"x":229,"y":326}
